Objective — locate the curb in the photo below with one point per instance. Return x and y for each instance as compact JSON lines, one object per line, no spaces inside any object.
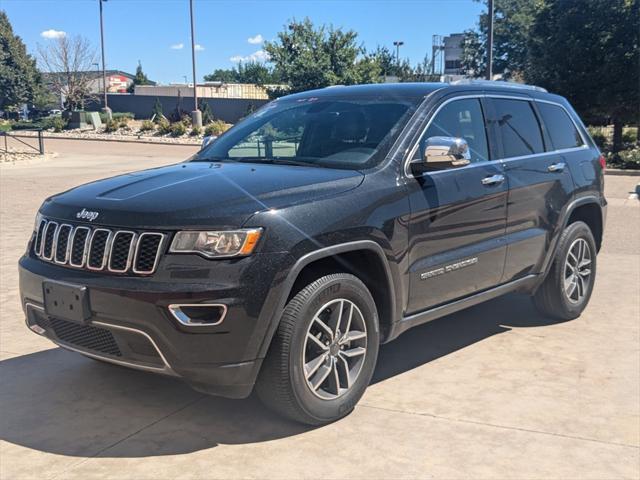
{"x":620,"y":172}
{"x":120,"y":140}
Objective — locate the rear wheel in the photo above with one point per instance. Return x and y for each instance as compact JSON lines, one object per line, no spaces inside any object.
{"x":324,"y":352}
{"x":567,"y":289}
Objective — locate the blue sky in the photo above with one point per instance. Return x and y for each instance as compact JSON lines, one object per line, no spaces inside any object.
{"x":156,"y":32}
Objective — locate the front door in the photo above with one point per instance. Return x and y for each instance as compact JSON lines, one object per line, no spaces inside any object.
{"x":458,"y":214}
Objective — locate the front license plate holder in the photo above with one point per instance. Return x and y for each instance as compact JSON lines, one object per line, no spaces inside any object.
{"x":68,"y":302}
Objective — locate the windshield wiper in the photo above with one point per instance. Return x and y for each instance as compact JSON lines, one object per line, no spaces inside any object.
{"x":277,"y":161}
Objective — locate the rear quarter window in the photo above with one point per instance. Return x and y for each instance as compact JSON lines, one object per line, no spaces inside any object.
{"x":560,"y":127}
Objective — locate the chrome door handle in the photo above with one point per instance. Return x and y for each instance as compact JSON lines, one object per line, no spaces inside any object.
{"x":556,"y":167}
{"x":493,"y":180}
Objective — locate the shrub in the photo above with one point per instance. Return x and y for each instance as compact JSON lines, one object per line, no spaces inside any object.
{"x":164,"y":126}
{"x":122,"y":122}
{"x":630,"y":135}
{"x":126,"y":116}
{"x":599,"y":136}
{"x":57,"y":123}
{"x":5,"y":126}
{"x":207,"y":114}
{"x":629,"y":159}
{"x":111,"y":126}
{"x":156,"y":112}
{"x":216,"y":128}
{"x":178,"y":129}
{"x":195,"y":131}
{"x":147,"y":126}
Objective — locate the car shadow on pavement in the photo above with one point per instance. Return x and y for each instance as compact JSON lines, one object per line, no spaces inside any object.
{"x":446,"y":335}
{"x":62,"y":403}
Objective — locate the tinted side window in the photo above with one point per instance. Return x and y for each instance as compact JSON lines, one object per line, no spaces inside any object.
{"x":460,"y":119}
{"x":560,"y":127}
{"x":519,"y":128}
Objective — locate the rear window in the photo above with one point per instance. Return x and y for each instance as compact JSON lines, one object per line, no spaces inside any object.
{"x":519,"y":128}
{"x":560,"y":127}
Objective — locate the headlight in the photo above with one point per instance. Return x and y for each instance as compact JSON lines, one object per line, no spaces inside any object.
{"x":230,"y":243}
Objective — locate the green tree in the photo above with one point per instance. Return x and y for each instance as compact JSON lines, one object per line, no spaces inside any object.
{"x":140,"y":78}
{"x":207,"y":114}
{"x":257,"y":73}
{"x":156,"y":112}
{"x":512,"y":22}
{"x":307,"y":57}
{"x":589,"y":52}
{"x":250,"y":72}
{"x":20,"y":80}
{"x":222,"y":75}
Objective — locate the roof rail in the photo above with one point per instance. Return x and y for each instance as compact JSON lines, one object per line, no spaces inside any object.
{"x":497,"y":83}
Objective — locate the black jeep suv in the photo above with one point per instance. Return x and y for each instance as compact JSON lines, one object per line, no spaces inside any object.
{"x":328,"y":222}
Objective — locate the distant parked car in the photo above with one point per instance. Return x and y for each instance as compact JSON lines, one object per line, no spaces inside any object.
{"x":55,"y":111}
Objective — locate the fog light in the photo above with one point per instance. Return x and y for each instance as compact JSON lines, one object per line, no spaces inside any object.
{"x":199,"y":314}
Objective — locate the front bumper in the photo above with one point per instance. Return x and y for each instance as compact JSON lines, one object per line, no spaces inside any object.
{"x":130,"y":323}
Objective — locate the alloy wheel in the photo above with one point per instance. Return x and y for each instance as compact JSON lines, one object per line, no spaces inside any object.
{"x":577,"y":271}
{"x":335,"y":348}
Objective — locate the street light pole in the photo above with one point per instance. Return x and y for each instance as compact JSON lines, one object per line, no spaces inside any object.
{"x":196,"y":115}
{"x":398,"y":44}
{"x":490,"y":41}
{"x":106,"y":109}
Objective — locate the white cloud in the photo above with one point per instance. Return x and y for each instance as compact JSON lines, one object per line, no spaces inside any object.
{"x":259,"y":56}
{"x":177,"y":46}
{"x":51,"y":34}
{"x":199,"y":47}
{"x":255,"y":40}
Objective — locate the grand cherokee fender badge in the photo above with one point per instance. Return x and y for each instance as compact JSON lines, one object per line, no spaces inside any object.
{"x":449,"y":268}
{"x":85,"y":214}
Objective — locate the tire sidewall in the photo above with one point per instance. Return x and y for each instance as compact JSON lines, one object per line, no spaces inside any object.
{"x":350,"y":289}
{"x":572,"y":233}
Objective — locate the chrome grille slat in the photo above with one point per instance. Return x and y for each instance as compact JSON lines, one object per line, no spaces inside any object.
{"x":48,"y":242}
{"x":79,"y":246}
{"x":62,"y":243}
{"x":98,"y":248}
{"x":40,"y":233}
{"x":117,"y":250}
{"x":141,"y":259}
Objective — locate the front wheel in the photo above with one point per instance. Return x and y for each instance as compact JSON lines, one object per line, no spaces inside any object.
{"x":565,"y":292}
{"x":323,"y":355}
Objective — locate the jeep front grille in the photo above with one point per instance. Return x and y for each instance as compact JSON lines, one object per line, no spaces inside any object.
{"x":98,"y":249}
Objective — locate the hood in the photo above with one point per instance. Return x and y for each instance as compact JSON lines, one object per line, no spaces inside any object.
{"x":196,"y":194}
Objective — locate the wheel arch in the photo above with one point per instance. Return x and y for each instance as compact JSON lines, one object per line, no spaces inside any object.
{"x":365,"y":259}
{"x":583,"y":208}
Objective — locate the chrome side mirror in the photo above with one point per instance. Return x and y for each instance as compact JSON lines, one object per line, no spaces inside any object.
{"x":446,"y":152}
{"x":206,"y":141}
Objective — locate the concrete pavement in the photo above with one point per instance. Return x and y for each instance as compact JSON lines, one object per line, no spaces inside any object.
{"x":496,"y":391}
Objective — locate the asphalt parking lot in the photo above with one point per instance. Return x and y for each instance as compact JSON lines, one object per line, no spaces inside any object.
{"x":496,"y":391}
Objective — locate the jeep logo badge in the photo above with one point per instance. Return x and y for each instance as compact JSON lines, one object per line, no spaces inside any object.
{"x":85,"y":214}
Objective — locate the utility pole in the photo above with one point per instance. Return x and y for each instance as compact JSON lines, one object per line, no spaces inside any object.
{"x":106,"y":108}
{"x":196,"y":115}
{"x":490,"y":42}
{"x":398,"y":44}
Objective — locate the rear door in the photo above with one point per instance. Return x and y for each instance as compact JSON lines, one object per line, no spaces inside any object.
{"x":458,"y":215}
{"x":540,"y":184}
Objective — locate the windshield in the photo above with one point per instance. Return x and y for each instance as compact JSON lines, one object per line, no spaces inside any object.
{"x":335,"y":133}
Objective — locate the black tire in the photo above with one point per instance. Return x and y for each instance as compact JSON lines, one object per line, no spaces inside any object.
{"x":552,"y":298}
{"x":282,"y":384}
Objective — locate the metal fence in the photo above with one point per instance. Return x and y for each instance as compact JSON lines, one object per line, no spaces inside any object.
{"x":35,"y":143}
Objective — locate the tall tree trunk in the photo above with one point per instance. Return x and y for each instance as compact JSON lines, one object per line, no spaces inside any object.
{"x":617,"y":135}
